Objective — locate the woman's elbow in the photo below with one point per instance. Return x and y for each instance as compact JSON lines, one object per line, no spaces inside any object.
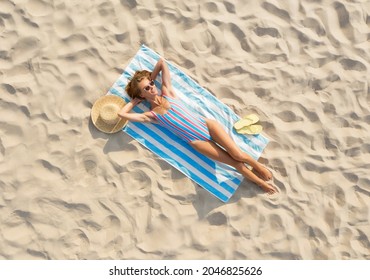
{"x":161,"y":61}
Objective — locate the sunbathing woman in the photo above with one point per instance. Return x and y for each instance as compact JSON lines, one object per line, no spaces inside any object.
{"x":201,"y":133}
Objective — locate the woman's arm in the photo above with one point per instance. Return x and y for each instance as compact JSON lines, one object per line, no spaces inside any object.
{"x":134,"y":117}
{"x":161,"y":66}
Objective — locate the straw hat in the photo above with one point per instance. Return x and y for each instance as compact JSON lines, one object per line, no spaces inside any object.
{"x":104,"y":114}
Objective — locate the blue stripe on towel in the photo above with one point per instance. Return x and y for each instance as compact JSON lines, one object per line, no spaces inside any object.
{"x":217,"y":178}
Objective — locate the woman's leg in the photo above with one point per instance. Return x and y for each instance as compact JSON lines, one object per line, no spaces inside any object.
{"x":214,"y":152}
{"x":220,"y":136}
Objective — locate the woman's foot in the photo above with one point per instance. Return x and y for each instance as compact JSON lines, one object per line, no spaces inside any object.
{"x":262,"y":172}
{"x":268,"y":188}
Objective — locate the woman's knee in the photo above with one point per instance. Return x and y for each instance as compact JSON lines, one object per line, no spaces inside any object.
{"x":215,"y":128}
{"x":237,"y":155}
{"x":239,"y":166}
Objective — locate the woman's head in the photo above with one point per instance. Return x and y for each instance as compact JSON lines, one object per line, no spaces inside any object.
{"x":133,"y":87}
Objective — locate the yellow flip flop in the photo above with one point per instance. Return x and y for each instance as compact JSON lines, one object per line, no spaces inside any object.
{"x":246,"y":121}
{"x":251,"y":129}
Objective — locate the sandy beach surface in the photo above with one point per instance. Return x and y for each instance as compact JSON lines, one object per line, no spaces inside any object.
{"x":68,"y":191}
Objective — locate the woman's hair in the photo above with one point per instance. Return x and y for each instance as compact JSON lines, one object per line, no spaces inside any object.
{"x":132,"y":87}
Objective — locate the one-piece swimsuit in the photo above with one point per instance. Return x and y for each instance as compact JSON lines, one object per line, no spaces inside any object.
{"x":182,"y":122}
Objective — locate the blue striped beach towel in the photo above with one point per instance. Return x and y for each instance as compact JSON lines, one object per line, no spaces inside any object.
{"x":217,"y":178}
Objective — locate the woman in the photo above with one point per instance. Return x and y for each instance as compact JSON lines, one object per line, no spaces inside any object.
{"x":201,"y":133}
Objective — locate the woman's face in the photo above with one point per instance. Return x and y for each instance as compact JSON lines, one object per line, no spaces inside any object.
{"x":147,"y":88}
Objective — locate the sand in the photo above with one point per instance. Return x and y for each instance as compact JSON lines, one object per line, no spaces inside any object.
{"x":68,"y":191}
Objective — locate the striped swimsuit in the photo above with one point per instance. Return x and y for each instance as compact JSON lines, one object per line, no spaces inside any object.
{"x":182,"y":122}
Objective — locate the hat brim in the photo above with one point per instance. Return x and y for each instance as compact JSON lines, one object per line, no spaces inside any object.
{"x":99,"y":123}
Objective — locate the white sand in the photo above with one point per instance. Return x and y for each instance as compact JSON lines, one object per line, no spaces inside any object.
{"x":68,"y":191}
